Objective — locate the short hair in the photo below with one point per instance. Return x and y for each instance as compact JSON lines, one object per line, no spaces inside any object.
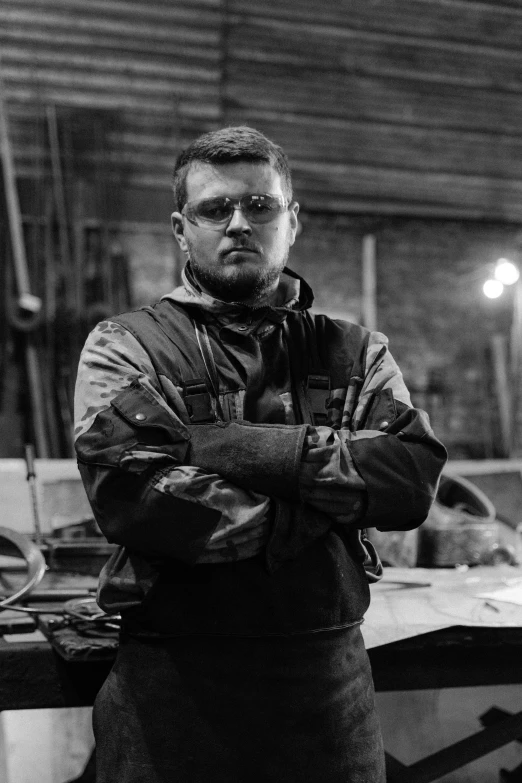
{"x":230,"y":145}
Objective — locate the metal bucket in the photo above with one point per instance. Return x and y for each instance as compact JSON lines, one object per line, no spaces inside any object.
{"x":461,"y":527}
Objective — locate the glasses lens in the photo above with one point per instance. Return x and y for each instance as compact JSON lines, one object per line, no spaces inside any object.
{"x":256,"y":207}
{"x":261,"y":208}
{"x":213,"y":210}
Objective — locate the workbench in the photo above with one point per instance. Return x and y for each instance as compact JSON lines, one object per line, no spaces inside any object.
{"x":448,"y":628}
{"x":426,"y":629}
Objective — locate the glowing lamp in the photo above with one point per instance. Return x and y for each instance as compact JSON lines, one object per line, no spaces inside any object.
{"x":493,"y":288}
{"x":506,"y":272}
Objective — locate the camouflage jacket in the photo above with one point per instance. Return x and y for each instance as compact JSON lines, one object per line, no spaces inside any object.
{"x":264,"y":502}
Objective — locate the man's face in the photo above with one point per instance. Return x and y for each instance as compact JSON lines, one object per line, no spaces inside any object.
{"x":238,"y":261}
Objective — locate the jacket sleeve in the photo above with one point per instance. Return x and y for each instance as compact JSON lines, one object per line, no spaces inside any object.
{"x":382,"y":469}
{"x":264,"y":458}
{"x":132,"y":443}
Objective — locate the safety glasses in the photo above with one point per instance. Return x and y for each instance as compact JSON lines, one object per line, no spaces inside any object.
{"x":217,"y":212}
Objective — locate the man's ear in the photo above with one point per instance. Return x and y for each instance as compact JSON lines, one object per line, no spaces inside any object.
{"x":293,"y":209}
{"x":177,"y":230}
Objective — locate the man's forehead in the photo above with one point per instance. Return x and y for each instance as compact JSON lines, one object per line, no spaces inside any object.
{"x":206,"y":179}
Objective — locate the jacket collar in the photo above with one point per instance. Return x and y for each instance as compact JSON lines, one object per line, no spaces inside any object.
{"x":293,"y":293}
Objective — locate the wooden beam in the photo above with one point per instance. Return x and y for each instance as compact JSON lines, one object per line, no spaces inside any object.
{"x":503,"y":391}
{"x":369,"y":283}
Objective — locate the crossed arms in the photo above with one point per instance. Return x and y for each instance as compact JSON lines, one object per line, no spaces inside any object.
{"x":215,"y":492}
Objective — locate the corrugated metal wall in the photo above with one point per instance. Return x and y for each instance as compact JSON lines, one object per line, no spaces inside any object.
{"x":385,"y":106}
{"x":400,"y":106}
{"x":148,"y":74}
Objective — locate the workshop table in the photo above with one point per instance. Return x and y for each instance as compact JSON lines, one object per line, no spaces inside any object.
{"x":448,"y":628}
{"x":426,"y":629}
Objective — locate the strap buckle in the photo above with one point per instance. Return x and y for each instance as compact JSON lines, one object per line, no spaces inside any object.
{"x":318,"y":392}
{"x":198,"y":401}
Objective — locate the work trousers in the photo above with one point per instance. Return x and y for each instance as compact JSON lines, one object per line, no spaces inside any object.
{"x":210,"y":709}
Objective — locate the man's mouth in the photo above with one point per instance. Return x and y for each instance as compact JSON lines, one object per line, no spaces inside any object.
{"x":239,"y":249}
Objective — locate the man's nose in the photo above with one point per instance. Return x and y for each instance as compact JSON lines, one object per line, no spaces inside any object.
{"x":238,"y":224}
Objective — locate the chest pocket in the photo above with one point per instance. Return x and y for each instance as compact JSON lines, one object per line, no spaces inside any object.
{"x":202,"y":397}
{"x":233,"y":405}
{"x":201,"y":405}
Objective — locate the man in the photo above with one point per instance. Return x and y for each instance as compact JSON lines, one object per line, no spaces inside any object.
{"x":235,"y":446}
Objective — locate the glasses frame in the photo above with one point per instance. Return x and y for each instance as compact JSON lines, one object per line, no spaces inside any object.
{"x":236,"y":204}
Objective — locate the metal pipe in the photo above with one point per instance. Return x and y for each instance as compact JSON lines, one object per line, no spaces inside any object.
{"x":26,"y":300}
{"x":31,"y":478}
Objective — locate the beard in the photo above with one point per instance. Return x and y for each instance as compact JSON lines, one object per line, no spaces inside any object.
{"x":242,"y":282}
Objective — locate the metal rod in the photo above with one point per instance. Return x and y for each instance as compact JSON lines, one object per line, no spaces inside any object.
{"x":25,"y":298}
{"x":13,"y":206}
{"x":37,"y":407}
{"x":61,"y":209}
{"x":31,"y":478}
